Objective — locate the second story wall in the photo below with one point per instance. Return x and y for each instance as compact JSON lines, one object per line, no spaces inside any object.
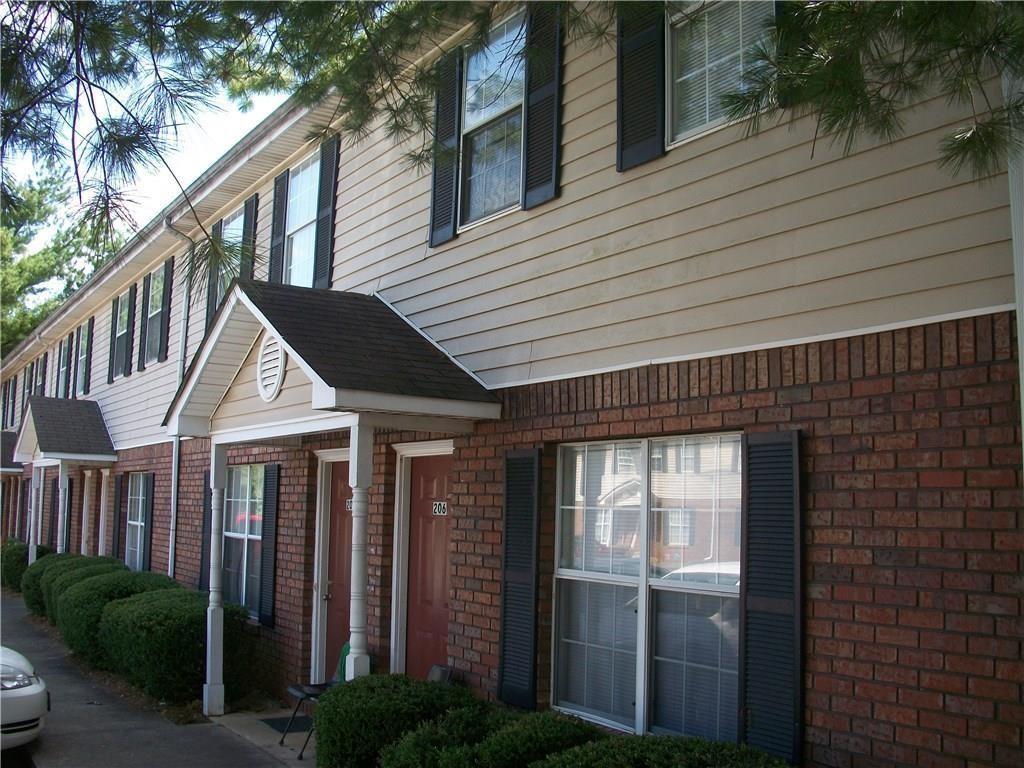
{"x":723,"y":243}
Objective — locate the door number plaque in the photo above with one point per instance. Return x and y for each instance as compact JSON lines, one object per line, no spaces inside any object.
{"x":440,"y":508}
{"x":348,"y":505}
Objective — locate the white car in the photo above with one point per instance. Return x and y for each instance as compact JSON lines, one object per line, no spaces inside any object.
{"x":24,"y":700}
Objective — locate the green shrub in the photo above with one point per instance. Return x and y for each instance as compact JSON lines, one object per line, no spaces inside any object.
{"x":157,"y":641}
{"x":660,"y":752}
{"x":13,"y":562}
{"x":68,"y":579}
{"x":66,"y":565}
{"x":81,"y":606}
{"x":421,"y":748}
{"x":31,"y":587}
{"x":355,"y":721}
{"x":529,"y":738}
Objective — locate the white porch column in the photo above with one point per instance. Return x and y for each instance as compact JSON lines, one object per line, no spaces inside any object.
{"x":86,"y":511}
{"x":101,"y":544}
{"x":213,"y":690}
{"x":63,"y":505}
{"x":35,"y":499}
{"x":360,"y":472}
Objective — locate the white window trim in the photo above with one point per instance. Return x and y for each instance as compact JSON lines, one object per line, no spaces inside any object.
{"x":150,"y":314}
{"x":289,"y":231}
{"x":140,"y":524}
{"x":246,"y":537}
{"x":642,"y":582}
{"x":518,"y":205}
{"x":700,"y":132}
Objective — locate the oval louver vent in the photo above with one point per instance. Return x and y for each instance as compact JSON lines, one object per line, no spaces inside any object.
{"x":270,"y":368}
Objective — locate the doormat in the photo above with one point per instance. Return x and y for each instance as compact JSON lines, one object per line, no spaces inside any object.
{"x":302,"y":724}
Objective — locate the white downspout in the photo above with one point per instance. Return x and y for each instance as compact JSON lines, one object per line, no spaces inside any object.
{"x":186,"y":307}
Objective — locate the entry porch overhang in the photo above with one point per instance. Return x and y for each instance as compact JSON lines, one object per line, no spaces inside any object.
{"x":279,"y":362}
{"x":57,"y":430}
{"x":362,"y":361}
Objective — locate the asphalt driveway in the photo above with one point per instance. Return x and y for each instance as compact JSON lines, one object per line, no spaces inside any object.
{"x":93,"y":726}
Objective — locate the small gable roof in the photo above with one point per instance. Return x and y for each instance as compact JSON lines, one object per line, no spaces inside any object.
{"x":7,"y":463}
{"x":358,"y":352}
{"x":62,"y":428}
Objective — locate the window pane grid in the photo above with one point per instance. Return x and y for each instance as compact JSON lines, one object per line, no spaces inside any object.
{"x":83,"y":353}
{"x":135,"y":530}
{"x":686,"y":681}
{"x":243,"y":521}
{"x":300,"y":222}
{"x":710,"y":53}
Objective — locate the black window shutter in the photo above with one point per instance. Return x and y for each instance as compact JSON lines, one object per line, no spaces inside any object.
{"x":447,"y":119}
{"x":115,"y":544}
{"x":326,"y":195}
{"x":268,"y":563}
{"x":771,"y":689}
{"x":641,"y":84}
{"x":130,"y":346}
{"x":144,"y":325}
{"x":277,"y":228}
{"x":517,"y":673}
{"x":88,"y":358}
{"x":165,"y":310}
{"x":542,"y":119}
{"x":249,"y":212}
{"x":54,"y":511}
{"x":113,"y":341}
{"x":147,"y":542}
{"x":67,"y":516}
{"x":212,"y":279}
{"x":204,"y":544}
{"x":790,"y":37}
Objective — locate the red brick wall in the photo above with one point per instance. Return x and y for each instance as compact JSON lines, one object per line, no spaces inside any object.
{"x":911,"y":494}
{"x":157,"y":460}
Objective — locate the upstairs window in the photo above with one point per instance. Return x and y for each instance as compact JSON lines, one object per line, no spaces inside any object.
{"x":40,"y":387}
{"x":121,"y":334}
{"x":492,"y":123}
{"x":152,"y":316}
{"x":63,"y":367}
{"x":84,"y":359}
{"x":231,"y":235}
{"x":709,"y":53}
{"x":300,"y":223}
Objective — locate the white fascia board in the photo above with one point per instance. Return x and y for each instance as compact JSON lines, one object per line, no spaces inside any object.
{"x":80,"y":458}
{"x":190,"y":426}
{"x":327,"y":422}
{"x":10,"y":471}
{"x":379,"y":402}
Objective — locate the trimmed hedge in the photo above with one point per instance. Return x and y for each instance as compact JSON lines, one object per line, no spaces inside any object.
{"x":157,"y":641}
{"x":356,"y":720}
{"x":31,"y":587}
{"x":421,"y":748}
{"x":64,"y":581}
{"x":66,"y":565}
{"x":81,"y":606}
{"x":660,"y":752}
{"x":14,"y":561}
{"x":525,"y":740}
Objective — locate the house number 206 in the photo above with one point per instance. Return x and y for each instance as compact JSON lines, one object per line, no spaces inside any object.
{"x":440,"y":508}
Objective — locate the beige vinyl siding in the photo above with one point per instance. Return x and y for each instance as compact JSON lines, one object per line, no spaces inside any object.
{"x":242,"y":405}
{"x":724,"y":243}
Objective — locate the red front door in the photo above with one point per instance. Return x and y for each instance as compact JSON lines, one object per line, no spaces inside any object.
{"x":339,"y":566}
{"x":427,"y":617}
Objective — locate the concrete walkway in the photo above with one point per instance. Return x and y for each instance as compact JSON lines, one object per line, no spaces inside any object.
{"x":92,"y":726}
